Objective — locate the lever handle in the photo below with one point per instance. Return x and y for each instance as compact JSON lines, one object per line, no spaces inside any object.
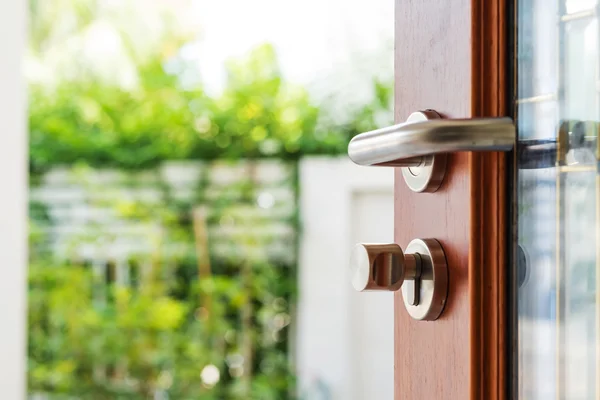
{"x":425,"y":133}
{"x":421,"y":273}
{"x":413,"y":144}
{"x":420,"y":145}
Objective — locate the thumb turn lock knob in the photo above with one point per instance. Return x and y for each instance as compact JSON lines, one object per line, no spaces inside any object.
{"x":421,"y":272}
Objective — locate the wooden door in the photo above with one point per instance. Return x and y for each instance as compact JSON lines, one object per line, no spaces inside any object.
{"x":451,"y":56}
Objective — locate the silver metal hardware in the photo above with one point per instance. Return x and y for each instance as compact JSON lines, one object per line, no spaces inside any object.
{"x":420,"y":145}
{"x":574,"y":137}
{"x":422,"y":273}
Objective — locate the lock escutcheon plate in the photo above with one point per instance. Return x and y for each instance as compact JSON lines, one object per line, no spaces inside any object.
{"x":433,"y":284}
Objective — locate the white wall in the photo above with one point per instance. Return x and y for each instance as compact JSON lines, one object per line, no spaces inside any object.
{"x":345,"y":339}
{"x":13,"y":199}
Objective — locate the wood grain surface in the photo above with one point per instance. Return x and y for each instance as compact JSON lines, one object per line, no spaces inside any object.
{"x":450,"y":57}
{"x":488,"y":253}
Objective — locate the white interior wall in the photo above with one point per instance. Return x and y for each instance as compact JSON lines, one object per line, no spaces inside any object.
{"x":344,"y":339}
{"x":13,"y":199}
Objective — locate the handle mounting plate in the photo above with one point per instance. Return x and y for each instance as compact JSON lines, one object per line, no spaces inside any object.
{"x":429,"y":174}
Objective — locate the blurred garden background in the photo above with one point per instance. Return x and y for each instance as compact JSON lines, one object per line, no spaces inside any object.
{"x":164,"y":217}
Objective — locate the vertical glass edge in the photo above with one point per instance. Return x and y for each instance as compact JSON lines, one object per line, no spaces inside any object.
{"x":512,"y":349}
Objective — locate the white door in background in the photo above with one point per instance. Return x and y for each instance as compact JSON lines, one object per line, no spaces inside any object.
{"x":343,"y":338}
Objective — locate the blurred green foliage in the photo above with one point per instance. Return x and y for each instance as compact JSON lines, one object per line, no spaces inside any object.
{"x":257,"y":115}
{"x":93,"y":336}
{"x":92,"y":339}
{"x":141,"y":343}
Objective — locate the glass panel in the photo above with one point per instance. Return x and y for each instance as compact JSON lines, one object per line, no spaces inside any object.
{"x":558,"y":114}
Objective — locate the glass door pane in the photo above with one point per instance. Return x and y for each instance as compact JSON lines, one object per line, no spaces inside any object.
{"x":557,"y":111}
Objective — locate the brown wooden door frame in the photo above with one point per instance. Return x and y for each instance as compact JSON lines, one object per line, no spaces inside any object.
{"x":451,"y":56}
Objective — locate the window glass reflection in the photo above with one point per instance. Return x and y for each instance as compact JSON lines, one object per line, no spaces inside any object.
{"x":558,"y":114}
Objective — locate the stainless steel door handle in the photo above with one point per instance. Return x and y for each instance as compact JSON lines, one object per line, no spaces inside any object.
{"x":420,"y":145}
